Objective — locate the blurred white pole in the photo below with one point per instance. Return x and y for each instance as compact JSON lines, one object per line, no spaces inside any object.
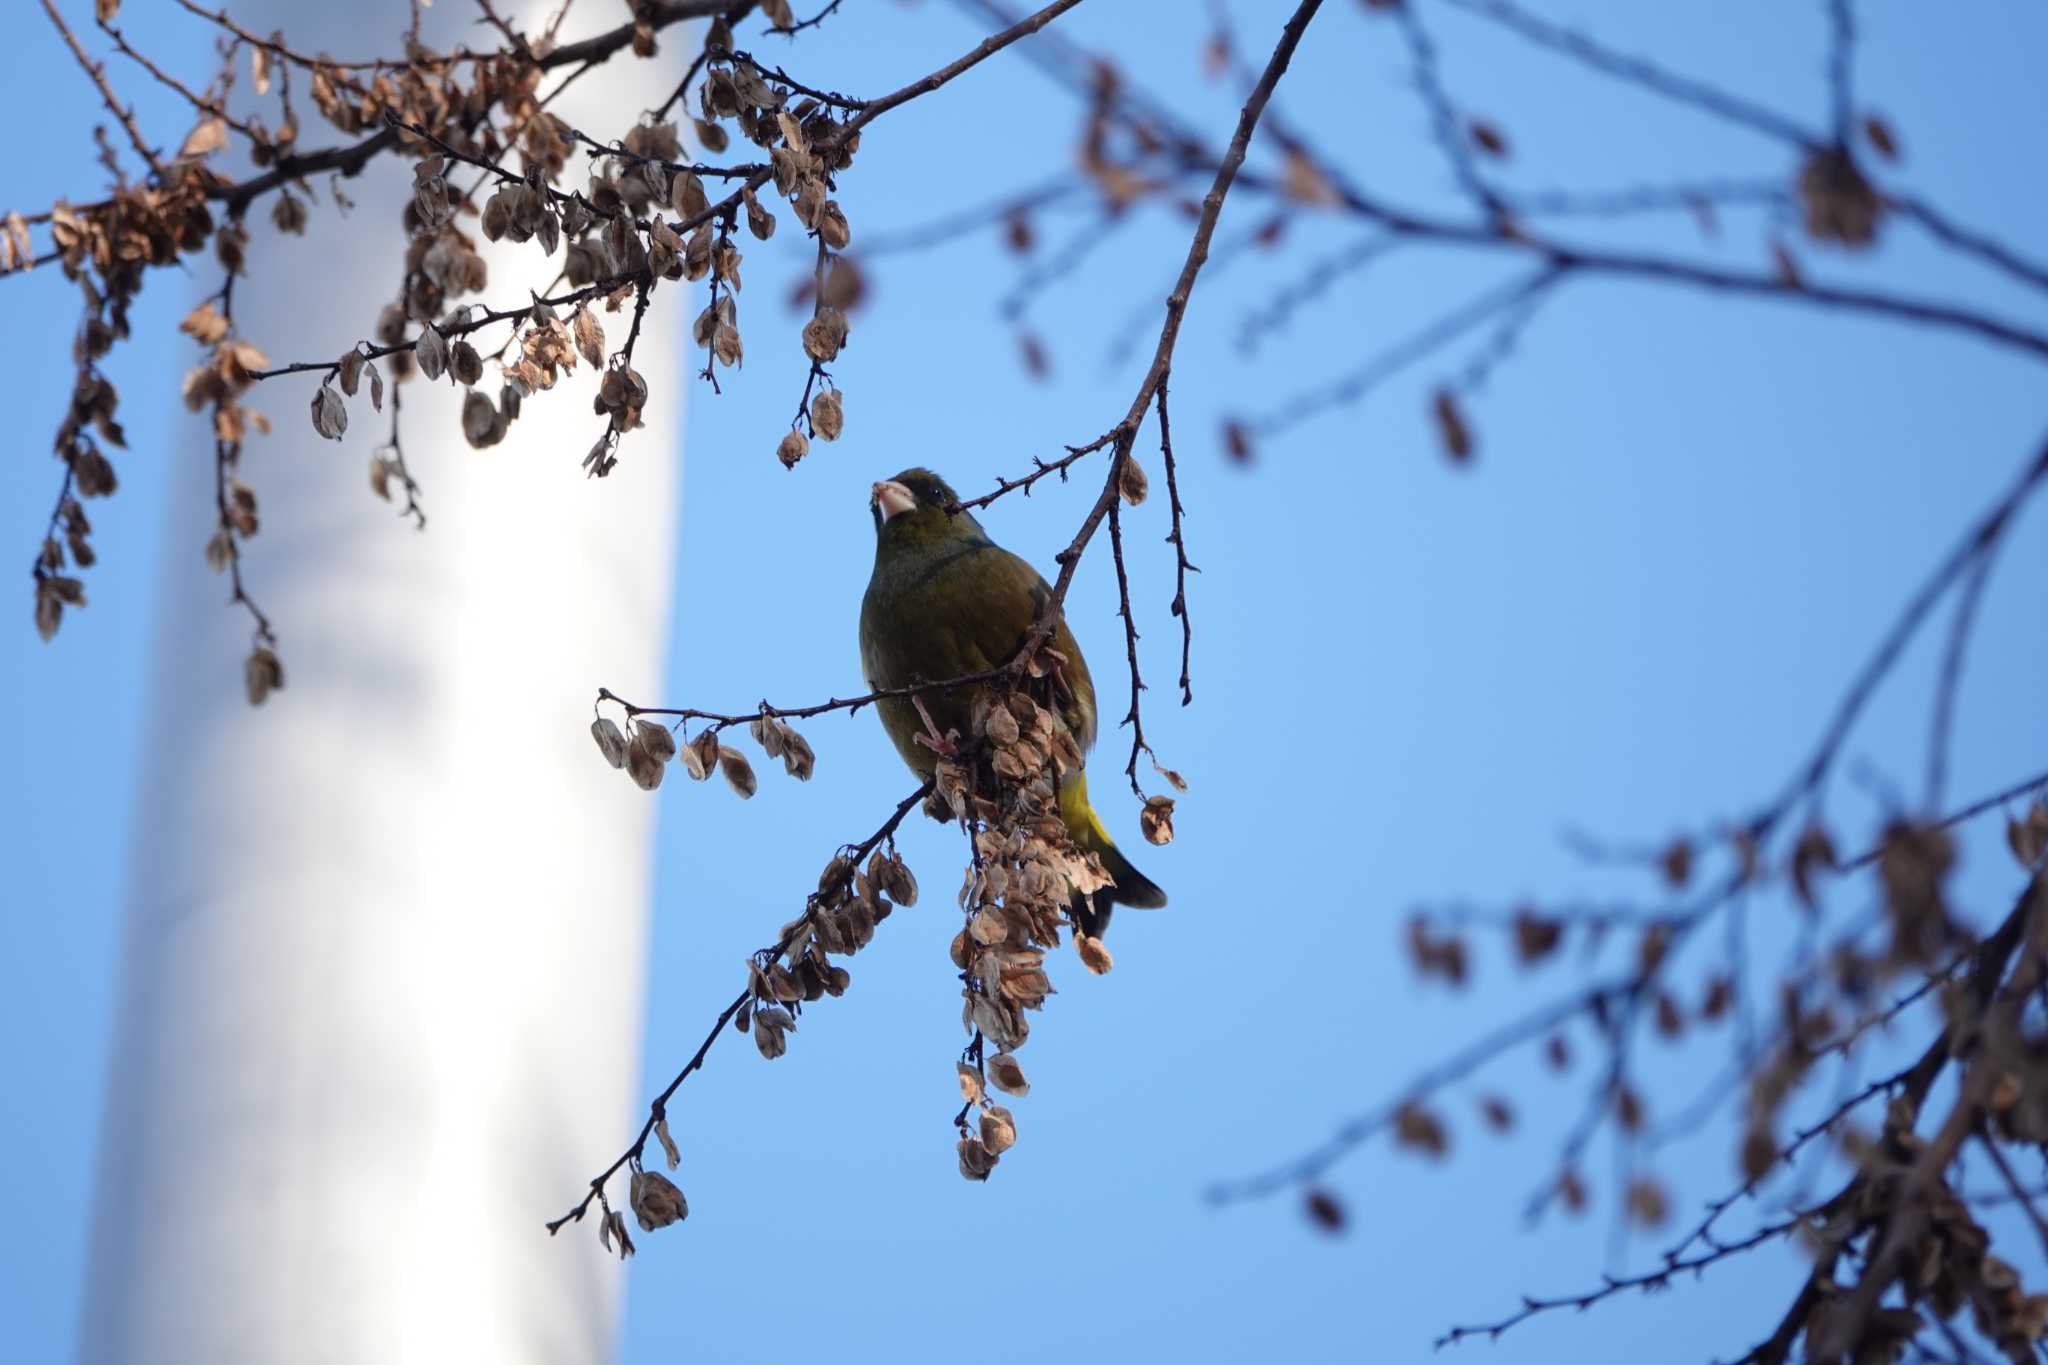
{"x":382,"y":986}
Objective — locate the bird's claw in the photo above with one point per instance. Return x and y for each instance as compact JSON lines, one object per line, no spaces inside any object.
{"x":941,"y":744}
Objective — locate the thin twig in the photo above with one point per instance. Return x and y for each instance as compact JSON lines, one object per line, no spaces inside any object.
{"x":98,"y":72}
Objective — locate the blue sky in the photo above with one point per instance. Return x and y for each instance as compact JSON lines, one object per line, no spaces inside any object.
{"x":1689,"y":520}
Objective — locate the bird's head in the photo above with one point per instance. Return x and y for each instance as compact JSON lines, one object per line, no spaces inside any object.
{"x":917,"y":507}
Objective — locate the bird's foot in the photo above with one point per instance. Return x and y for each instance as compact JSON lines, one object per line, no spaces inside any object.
{"x":943,"y":745}
{"x":1056,"y":666}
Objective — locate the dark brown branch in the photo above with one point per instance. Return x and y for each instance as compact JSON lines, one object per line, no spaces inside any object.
{"x":1176,"y":537}
{"x":783,"y":78}
{"x":1132,"y":717}
{"x":722,"y":720}
{"x":1124,"y":432}
{"x":988,"y":47}
{"x":1648,"y":1282}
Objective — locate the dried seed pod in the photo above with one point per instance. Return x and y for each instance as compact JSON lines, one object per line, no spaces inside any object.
{"x":330,"y":417}
{"x":900,"y":883}
{"x":656,"y":1201}
{"x":798,"y":759}
{"x":837,"y":876}
{"x":770,"y":1028}
{"x":261,"y":675}
{"x":825,"y":335}
{"x":1094,"y":956}
{"x":710,"y":136}
{"x":998,"y":1129}
{"x":686,"y":195}
{"x":738,"y":772}
{"x":1649,"y":1205}
{"x":976,"y":1160}
{"x":760,"y":221}
{"x":659,"y":739}
{"x":483,"y":426}
{"x":794,"y":446}
{"x":611,"y":741}
{"x":288,"y":215}
{"x":692,"y":760}
{"x":727,"y":346}
{"x":1002,"y":729}
{"x":589,"y":335}
{"x":704,"y":759}
{"x":431,"y":352}
{"x":1839,"y":202}
{"x":464,"y":363}
{"x":668,"y":1144}
{"x":832,"y":226}
{"x":1325,"y":1210}
{"x":1156,"y":819}
{"x":641,"y":765}
{"x":970,"y":1083}
{"x":1536,"y":937}
{"x":1452,"y":430}
{"x":767,"y":735}
{"x":2028,"y":836}
{"x":1007,"y":1075}
{"x":1416,"y":1127}
{"x":1131,"y":482}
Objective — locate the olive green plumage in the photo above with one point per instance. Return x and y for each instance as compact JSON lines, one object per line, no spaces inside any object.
{"x":946,"y":601}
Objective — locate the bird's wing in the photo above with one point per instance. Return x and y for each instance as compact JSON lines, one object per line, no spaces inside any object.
{"x":966,"y":610}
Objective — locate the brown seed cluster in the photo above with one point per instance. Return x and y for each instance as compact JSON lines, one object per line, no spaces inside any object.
{"x":1018,"y":892}
{"x":644,"y":756}
{"x":839,"y":919}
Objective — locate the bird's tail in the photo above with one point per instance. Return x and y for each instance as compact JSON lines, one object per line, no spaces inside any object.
{"x":1132,"y":888}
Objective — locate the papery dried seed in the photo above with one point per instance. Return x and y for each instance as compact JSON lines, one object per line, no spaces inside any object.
{"x":1007,"y":1075}
{"x":998,"y":1129}
{"x":738,"y":772}
{"x":793,"y":447}
{"x":656,"y":1201}
{"x":668,"y":1144}
{"x":1156,"y":819}
{"x":611,"y":741}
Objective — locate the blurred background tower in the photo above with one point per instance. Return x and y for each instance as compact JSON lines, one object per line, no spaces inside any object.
{"x":382,"y":981}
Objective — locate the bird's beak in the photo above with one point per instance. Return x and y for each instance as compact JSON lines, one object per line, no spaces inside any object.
{"x":893,"y":498}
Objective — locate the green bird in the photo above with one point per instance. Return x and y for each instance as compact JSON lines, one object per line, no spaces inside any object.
{"x":945,"y":601}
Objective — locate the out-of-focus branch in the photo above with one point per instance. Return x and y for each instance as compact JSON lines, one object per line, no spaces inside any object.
{"x":97,"y":71}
